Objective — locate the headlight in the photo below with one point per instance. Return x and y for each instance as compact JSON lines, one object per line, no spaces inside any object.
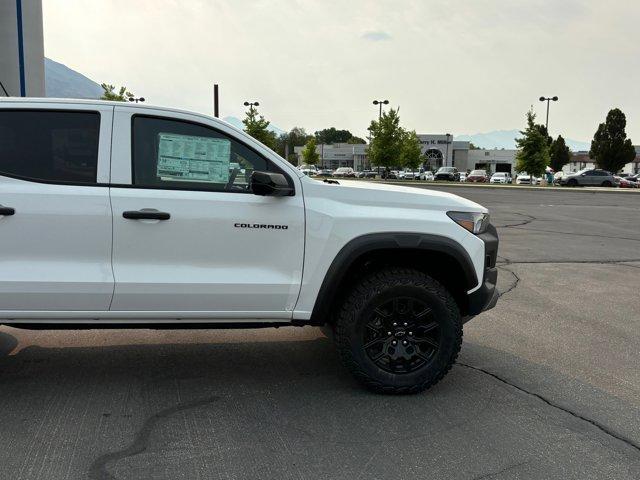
{"x":473,"y":221}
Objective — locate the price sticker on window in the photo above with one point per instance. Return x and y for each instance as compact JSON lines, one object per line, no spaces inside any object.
{"x":193,"y":159}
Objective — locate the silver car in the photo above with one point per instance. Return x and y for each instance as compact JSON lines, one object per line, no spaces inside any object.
{"x":589,"y":178}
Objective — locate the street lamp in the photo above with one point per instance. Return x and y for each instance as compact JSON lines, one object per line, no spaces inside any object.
{"x":380,"y":102}
{"x":136,"y":99}
{"x":548,"y":100}
{"x":251,"y":104}
{"x":446,"y":160}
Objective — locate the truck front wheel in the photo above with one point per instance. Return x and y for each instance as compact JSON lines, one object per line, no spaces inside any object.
{"x":399,"y":331}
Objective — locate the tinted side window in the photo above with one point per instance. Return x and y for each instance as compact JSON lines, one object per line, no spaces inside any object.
{"x":175,"y":154}
{"x":52,"y":146}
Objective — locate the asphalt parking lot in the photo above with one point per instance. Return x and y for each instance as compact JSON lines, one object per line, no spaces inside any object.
{"x":547,"y":384}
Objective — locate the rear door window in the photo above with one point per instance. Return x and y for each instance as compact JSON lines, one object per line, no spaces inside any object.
{"x":49,"y":146}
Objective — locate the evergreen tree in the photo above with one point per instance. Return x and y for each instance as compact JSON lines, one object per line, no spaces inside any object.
{"x":256,"y":126}
{"x":533,"y":148}
{"x":560,"y":154}
{"x":610,"y":148}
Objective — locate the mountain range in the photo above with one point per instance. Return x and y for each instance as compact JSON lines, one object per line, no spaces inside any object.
{"x":506,"y":139}
{"x":63,"y":82}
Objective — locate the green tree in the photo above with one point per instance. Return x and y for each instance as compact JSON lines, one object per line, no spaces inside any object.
{"x":560,"y":154}
{"x":310,"y":155}
{"x":386,"y":140}
{"x":296,"y":137}
{"x":357,"y":140}
{"x":410,"y":151}
{"x":110,"y":93}
{"x":256,"y":126}
{"x":331,"y":135}
{"x":610,"y":147}
{"x":533,"y":148}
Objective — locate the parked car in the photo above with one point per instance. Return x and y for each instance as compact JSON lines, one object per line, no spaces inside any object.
{"x":344,"y":172}
{"x":428,"y":176}
{"x":625,"y":182}
{"x":523,"y":178}
{"x":500,"y":177}
{"x":366,"y":174}
{"x":478,"y":176}
{"x":125,"y":215}
{"x":310,"y":170}
{"x":450,"y":174}
{"x":390,"y":175}
{"x":325,"y":172}
{"x":589,"y":177}
{"x":463,"y":176}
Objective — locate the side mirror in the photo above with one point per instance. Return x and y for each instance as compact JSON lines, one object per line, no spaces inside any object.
{"x":270,"y":184}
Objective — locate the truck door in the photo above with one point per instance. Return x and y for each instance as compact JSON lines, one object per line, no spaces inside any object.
{"x":190,"y":239}
{"x":55,"y":216}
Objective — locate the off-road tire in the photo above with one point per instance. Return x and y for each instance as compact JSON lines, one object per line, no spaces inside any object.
{"x":354,"y":316}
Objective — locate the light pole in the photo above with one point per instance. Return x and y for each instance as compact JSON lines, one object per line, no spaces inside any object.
{"x":446,"y":160}
{"x":380,"y":102}
{"x":548,"y":100}
{"x":251,"y":104}
{"x":136,"y":99}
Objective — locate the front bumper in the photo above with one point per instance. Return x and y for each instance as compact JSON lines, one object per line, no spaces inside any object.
{"x":485,"y":297}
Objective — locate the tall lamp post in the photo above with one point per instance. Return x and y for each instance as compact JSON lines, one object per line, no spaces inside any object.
{"x":136,"y":99}
{"x":548,"y":100}
{"x":251,"y":104}
{"x":446,"y":160}
{"x":380,"y":102}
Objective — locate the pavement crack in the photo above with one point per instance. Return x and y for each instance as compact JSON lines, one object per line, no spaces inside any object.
{"x":98,"y":469}
{"x":515,"y":283}
{"x":603,"y":428}
{"x":528,"y":219}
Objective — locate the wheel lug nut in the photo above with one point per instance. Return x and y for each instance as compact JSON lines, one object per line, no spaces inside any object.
{"x":394,"y":343}
{"x":410,"y":333}
{"x":405,"y":324}
{"x":404,"y":342}
{"x":388,"y":333}
{"x":395,"y":324}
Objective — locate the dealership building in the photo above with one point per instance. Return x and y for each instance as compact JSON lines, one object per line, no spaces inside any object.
{"x":439,"y":150}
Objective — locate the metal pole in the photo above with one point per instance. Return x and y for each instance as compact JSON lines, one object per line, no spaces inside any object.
{"x":216,"y":112}
{"x":447,"y":159}
{"x":380,"y":113}
{"x":548,"y":101}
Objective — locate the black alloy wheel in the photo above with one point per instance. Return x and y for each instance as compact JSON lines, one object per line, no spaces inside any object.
{"x":401,"y":335}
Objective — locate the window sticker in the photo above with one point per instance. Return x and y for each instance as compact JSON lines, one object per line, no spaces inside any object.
{"x":193,"y":159}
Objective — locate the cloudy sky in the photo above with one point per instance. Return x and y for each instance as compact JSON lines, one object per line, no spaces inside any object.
{"x":462,"y":67}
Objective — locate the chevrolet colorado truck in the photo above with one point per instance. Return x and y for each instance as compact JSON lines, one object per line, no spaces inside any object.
{"x":118,"y":215}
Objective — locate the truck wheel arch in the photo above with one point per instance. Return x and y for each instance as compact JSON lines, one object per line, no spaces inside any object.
{"x":352,"y":254}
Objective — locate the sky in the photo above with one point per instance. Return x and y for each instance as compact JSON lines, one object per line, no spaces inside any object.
{"x":460,"y":67}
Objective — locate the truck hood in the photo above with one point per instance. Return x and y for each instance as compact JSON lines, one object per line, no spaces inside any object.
{"x":385,"y":195}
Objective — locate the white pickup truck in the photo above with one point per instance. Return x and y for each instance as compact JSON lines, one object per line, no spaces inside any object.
{"x":115,"y":215}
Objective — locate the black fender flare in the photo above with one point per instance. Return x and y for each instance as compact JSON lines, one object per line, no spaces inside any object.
{"x":368,"y":243}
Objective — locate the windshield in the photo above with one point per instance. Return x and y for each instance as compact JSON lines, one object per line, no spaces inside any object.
{"x":498,"y":174}
{"x":445,"y":169}
{"x":479,"y":172}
